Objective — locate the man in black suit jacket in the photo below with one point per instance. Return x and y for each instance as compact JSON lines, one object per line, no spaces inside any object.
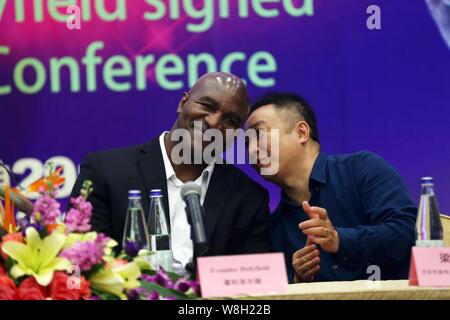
{"x":236,"y":208}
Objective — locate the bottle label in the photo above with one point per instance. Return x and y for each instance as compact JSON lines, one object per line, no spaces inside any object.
{"x":429,"y":243}
{"x":162,"y":259}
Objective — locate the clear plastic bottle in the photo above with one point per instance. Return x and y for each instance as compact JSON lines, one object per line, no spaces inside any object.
{"x":158,"y":231}
{"x":429,"y":231}
{"x":135,"y":234}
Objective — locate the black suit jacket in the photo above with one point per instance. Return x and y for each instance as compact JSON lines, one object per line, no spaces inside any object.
{"x":236,"y":208}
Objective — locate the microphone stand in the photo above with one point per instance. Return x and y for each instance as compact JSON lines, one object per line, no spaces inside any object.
{"x":200,"y":249}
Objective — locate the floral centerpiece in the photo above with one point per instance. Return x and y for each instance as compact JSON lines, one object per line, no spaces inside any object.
{"x":51,"y":255}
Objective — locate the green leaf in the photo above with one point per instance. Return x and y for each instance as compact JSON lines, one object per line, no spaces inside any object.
{"x":96,"y":268}
{"x":103,"y":295}
{"x":173,"y":276}
{"x":149,"y":272}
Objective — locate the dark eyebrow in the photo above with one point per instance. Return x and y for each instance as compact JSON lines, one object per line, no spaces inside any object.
{"x":257,"y":124}
{"x":215,"y":103}
{"x":208,"y":99}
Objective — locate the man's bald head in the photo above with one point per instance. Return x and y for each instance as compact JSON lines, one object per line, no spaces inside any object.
{"x":230,"y":84}
{"x":227,"y":82}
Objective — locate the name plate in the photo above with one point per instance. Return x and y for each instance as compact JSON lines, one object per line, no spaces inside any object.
{"x":226,"y":276}
{"x":430,"y":267}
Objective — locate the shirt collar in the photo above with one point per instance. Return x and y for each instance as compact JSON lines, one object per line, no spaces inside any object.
{"x":318,"y":172}
{"x":206,"y":174}
{"x":167,"y":164}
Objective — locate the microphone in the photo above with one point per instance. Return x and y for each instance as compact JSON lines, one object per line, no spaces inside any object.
{"x":20,"y":201}
{"x":190,"y":193}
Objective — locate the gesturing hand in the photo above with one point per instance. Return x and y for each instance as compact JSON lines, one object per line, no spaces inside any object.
{"x":319,"y":228}
{"x":306,"y":262}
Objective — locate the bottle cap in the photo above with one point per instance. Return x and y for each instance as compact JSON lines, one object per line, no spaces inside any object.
{"x":427,"y":179}
{"x":156,"y":193}
{"x":134,"y":193}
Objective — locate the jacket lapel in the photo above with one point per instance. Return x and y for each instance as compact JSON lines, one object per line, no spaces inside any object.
{"x":218,"y":192}
{"x":151,"y":166}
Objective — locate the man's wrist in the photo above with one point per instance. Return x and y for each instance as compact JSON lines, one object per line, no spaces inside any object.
{"x":335,"y":241}
{"x":297,"y":279}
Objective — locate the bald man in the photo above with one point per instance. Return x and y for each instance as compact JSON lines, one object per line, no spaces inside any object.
{"x":236,"y":208}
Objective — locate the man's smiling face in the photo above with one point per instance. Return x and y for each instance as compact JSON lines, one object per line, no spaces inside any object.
{"x":268,"y":121}
{"x":217,"y":101}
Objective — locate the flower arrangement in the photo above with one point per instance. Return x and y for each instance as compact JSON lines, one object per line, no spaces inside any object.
{"x":49,"y":255}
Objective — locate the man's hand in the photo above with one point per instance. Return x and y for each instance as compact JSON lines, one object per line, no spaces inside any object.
{"x":306,"y":262}
{"x":319,"y":228}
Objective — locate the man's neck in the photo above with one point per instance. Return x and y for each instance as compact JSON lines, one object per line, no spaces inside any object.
{"x":296,"y":183}
{"x":184,"y":172}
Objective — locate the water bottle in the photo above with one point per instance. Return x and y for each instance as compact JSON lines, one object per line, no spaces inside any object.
{"x":135,"y":236}
{"x":429,"y":231}
{"x":158,"y":232}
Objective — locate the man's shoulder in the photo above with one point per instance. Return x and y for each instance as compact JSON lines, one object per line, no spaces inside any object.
{"x":276,"y":215}
{"x":352,"y":158}
{"x":119,"y":154}
{"x":356,"y":161}
{"x":362,"y":164}
{"x":116,"y":152}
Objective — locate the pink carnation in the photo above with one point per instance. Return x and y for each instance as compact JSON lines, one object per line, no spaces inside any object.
{"x":48,"y":208}
{"x":86,"y":254}
{"x":78,"y":218}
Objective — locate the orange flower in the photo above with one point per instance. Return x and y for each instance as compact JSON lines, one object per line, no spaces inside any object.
{"x":54,"y":179}
{"x":16,"y":236}
{"x":9,"y":222}
{"x":52,"y":227}
{"x":116,"y":263}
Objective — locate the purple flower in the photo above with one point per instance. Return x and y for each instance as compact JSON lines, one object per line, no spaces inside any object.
{"x":147,"y":277}
{"x":78,"y":218}
{"x":135,"y":294}
{"x":161,"y":278}
{"x":86,"y":254}
{"x":182,"y":285}
{"x":36,"y":226}
{"x":48,"y":209}
{"x":153,"y":296}
{"x":195,"y":286}
{"x":24,"y":224}
{"x":131,"y":248}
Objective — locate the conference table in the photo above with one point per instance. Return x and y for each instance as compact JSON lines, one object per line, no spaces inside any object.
{"x":357,"y":290}
{"x":364,"y":289}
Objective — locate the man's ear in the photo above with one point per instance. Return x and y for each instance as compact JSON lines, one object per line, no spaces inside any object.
{"x":303,"y":131}
{"x":182,"y":102}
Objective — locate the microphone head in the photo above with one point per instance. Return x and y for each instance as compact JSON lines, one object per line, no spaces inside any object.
{"x":20,"y":201}
{"x":190,"y":188}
